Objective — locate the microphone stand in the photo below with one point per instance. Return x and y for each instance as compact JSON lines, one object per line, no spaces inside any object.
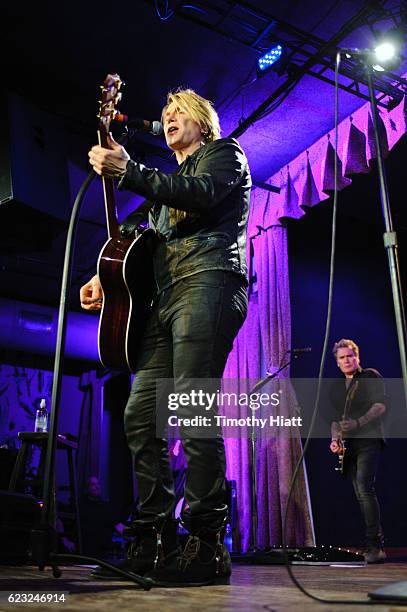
{"x":397,"y":591}
{"x":253,"y":489}
{"x":43,"y":536}
{"x":389,"y":238}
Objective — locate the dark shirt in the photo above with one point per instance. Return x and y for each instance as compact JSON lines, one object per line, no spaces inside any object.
{"x":367,"y":388}
{"x":213,"y":187}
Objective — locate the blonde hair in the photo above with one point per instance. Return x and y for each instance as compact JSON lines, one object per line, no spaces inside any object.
{"x":199,"y":109}
{"x":344,"y":343}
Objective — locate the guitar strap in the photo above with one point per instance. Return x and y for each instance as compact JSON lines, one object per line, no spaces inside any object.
{"x":350,"y":394}
{"x":132,"y":222}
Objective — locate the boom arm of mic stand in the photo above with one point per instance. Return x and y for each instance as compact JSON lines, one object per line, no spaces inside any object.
{"x":263,"y":381}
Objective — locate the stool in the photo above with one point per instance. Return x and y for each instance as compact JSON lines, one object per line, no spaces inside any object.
{"x":18,"y":477}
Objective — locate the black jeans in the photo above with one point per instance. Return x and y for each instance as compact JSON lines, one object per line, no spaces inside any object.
{"x":362,"y":458}
{"x":189,"y":335}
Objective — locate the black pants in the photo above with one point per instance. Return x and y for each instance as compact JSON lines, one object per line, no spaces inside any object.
{"x":362,"y":458}
{"x":189,"y":335}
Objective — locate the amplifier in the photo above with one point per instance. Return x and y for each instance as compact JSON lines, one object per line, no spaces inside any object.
{"x":19,"y":513}
{"x":34,"y":181}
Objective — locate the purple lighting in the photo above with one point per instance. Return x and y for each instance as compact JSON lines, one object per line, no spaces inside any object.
{"x":32,"y":329}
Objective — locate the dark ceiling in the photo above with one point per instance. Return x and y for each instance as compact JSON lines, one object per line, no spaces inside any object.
{"x":56,"y":54}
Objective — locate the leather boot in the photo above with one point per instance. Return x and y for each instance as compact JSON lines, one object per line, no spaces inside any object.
{"x":204,"y":561}
{"x":150,"y":548}
{"x":375,"y":552}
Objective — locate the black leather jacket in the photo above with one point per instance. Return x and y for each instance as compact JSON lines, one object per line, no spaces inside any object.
{"x":213,"y":187}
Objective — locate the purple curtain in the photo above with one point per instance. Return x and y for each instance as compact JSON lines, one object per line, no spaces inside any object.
{"x":265,"y":336}
{"x":309,"y":179}
{"x":262,"y":344}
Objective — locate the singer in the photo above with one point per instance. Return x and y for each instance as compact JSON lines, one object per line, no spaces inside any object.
{"x":360,"y":428}
{"x":200,"y":213}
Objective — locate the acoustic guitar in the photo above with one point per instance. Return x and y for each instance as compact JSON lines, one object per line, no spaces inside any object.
{"x":124,"y":266}
{"x":341,"y":441}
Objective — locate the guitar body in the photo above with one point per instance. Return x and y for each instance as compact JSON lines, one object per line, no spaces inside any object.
{"x":125,"y":265}
{"x":126,"y":274}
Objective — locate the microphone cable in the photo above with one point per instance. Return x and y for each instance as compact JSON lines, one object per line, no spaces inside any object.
{"x":320,"y":374}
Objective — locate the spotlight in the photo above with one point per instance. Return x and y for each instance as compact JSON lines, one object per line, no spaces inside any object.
{"x":385,"y":51}
{"x":268,"y":59}
{"x":386,"y":54}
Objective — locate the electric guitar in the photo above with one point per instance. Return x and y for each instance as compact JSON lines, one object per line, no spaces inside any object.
{"x":341,"y":441}
{"x":124,"y":266}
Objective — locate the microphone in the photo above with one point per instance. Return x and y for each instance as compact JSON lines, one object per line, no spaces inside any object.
{"x":136,"y":123}
{"x":298,"y":351}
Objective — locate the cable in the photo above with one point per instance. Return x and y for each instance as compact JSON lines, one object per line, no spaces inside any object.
{"x":321,"y":371}
{"x":168,"y":12}
{"x":325,"y":16}
{"x":276,"y":103}
{"x":232,"y":96}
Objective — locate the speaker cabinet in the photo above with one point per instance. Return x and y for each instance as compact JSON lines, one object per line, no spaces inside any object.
{"x":34,"y":183}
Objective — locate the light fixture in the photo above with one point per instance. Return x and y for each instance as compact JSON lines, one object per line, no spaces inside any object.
{"x":386,"y":54}
{"x":267,"y":60}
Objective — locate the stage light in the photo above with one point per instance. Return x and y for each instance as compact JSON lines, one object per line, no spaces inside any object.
{"x":386,"y":54}
{"x":268,"y":59}
{"x":385,"y":51}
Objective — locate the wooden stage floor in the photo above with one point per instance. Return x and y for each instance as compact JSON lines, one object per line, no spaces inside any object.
{"x":253,"y":588}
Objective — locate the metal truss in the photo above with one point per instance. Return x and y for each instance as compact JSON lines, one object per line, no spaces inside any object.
{"x":306,"y":54}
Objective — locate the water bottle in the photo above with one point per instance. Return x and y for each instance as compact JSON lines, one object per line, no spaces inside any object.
{"x":41,"y":417}
{"x":228,"y":537}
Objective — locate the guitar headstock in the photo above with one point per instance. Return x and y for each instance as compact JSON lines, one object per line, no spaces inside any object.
{"x":111,"y":96}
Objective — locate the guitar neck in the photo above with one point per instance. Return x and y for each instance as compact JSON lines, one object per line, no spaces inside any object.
{"x":113,"y":229}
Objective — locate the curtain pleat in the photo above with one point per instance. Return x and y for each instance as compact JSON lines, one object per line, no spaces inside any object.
{"x":310,"y":194}
{"x":355,"y":151}
{"x":328,"y":173}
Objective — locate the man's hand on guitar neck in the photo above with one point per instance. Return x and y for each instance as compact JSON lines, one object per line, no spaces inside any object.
{"x":110,"y":162}
{"x":337,"y":428}
{"x":91,"y":294}
{"x":335,"y":447}
{"x":335,"y":435}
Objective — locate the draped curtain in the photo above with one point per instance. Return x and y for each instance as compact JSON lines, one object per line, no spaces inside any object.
{"x":309,"y":178}
{"x":266,"y":335}
{"x":262,"y":344}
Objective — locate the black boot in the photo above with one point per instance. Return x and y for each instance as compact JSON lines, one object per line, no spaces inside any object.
{"x":375,"y":552}
{"x":150,"y":548}
{"x":204,"y":561}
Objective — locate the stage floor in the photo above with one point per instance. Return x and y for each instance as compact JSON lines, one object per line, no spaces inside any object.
{"x":253,"y":588}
